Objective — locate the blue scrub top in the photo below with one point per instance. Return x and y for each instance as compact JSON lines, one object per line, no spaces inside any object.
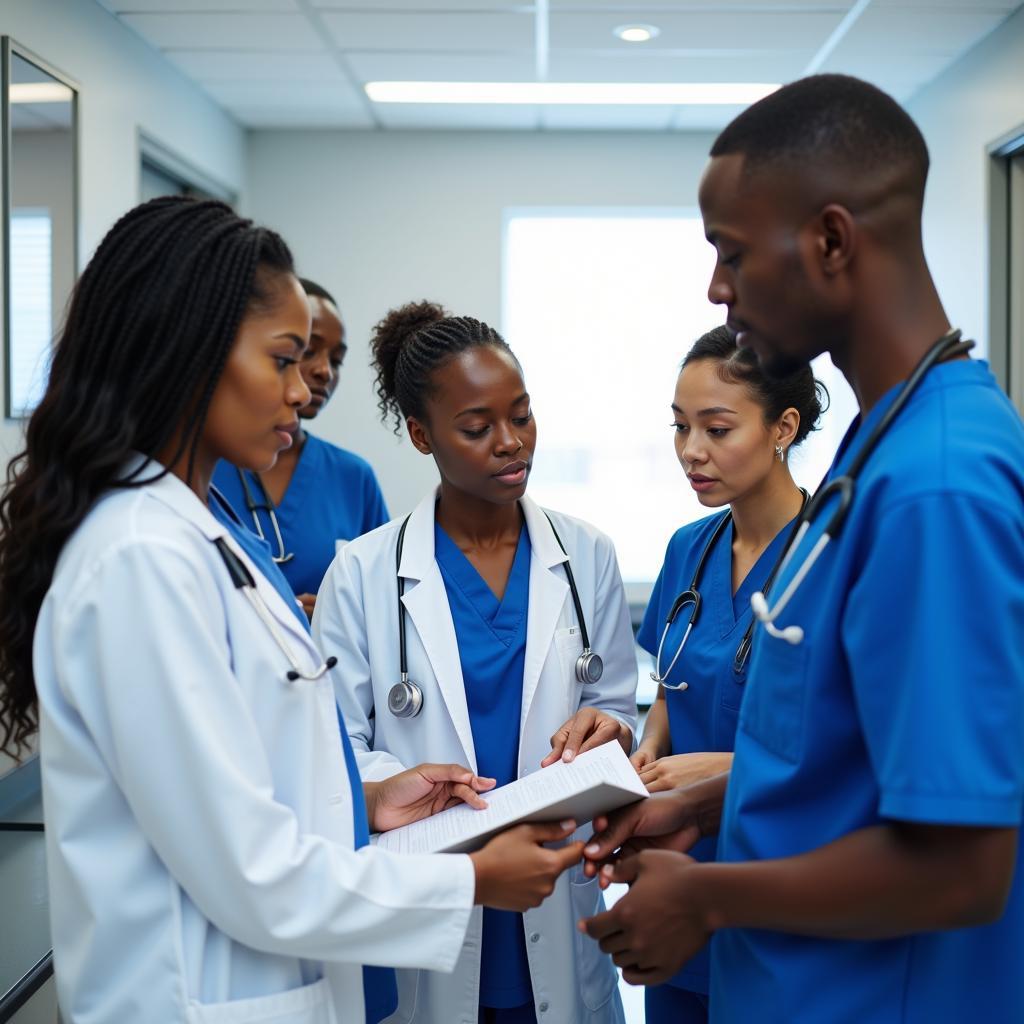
{"x":492,"y":649}
{"x":333,"y":495}
{"x":380,"y":990}
{"x":703,"y":717}
{"x":904,"y":702}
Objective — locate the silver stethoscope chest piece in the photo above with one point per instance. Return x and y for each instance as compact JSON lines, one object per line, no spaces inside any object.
{"x":405,"y":699}
{"x":589,"y":667}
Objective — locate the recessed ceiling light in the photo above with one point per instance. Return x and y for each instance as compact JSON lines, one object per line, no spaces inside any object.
{"x":636,"y":33}
{"x":630,"y":93}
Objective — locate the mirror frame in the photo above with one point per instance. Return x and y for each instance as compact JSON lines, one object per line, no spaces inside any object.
{"x":9,"y":48}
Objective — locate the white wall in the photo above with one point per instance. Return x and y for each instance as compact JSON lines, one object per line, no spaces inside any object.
{"x":382,"y":219}
{"x":125,"y":87}
{"x":972,"y":104}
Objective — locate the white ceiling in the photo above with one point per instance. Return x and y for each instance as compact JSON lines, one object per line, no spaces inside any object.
{"x":303,"y":63}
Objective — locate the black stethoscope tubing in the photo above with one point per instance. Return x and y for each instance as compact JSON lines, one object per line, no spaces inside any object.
{"x":949,"y":346}
{"x":405,"y":699}
{"x":691,"y":596}
{"x":253,"y":508}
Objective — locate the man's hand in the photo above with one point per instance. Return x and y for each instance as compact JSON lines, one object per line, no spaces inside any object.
{"x":421,"y":792}
{"x":515,"y":871}
{"x":656,"y":927}
{"x":668,"y":821}
{"x":588,"y":728}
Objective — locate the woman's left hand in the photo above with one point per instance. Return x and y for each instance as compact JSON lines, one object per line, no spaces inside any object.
{"x":421,"y":792}
{"x":588,"y":728}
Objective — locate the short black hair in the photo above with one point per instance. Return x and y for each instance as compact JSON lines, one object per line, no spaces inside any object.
{"x":317,"y":291}
{"x":835,"y":120}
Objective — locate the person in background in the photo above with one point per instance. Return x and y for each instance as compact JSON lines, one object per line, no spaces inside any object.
{"x":316,"y":495}
{"x":733,"y":429}
{"x":206,"y":826}
{"x":493,"y":638}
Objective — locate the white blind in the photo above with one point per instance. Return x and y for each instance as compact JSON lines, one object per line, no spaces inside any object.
{"x":31,"y":307}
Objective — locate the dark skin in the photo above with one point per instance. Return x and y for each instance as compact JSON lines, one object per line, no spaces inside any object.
{"x":480,"y":430}
{"x":846,"y":251}
{"x":320,"y":368}
{"x":252,"y":417}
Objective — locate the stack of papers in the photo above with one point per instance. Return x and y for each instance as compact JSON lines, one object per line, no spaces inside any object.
{"x":594,"y":782}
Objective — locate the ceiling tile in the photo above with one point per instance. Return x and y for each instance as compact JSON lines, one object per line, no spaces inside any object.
{"x":599,"y":118}
{"x":442,"y":67}
{"x":227,"y":65}
{"x":167,"y":6}
{"x":897,"y":32}
{"x":661,"y":66}
{"x":292,"y":104}
{"x":647,"y":11}
{"x":699,"y":30}
{"x":384,"y":6}
{"x":226,"y":31}
{"x":1005,"y":6}
{"x":364,"y":31}
{"x":459,"y":117}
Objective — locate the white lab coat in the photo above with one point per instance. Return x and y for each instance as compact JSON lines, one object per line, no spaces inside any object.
{"x":199,"y":828}
{"x":356,"y":619}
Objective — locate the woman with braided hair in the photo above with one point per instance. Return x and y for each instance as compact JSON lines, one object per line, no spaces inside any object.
{"x":502,"y":601}
{"x":204,"y":813}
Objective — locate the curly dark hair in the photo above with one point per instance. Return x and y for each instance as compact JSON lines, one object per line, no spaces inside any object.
{"x":147,"y":334}
{"x":799,"y":390}
{"x":410,"y":343}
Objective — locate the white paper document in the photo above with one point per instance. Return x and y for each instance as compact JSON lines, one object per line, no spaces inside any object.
{"x":594,"y":782}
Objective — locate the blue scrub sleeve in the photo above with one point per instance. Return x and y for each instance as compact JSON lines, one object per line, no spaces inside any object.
{"x":932,"y":634}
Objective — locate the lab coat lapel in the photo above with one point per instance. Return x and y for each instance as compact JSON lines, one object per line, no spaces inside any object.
{"x":548,"y":592}
{"x":174,"y":493}
{"x":426,"y":601}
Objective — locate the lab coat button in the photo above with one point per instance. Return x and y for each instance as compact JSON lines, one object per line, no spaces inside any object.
{"x":543,"y":1007}
{"x":535,"y":937}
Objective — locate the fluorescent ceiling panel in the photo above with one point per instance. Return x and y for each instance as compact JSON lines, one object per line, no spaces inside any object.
{"x":545,"y":93}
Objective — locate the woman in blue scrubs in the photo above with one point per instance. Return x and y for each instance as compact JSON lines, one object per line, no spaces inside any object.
{"x":492,"y":640}
{"x":733,"y":430}
{"x":317,"y":494}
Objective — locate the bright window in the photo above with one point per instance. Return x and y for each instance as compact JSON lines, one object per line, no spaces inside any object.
{"x":601,"y":307}
{"x":31,"y":307}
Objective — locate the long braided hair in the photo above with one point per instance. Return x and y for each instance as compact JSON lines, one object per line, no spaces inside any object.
{"x":413,"y":341}
{"x":148,"y":330}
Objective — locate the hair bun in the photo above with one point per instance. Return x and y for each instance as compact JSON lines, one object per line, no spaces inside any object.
{"x":400,"y":324}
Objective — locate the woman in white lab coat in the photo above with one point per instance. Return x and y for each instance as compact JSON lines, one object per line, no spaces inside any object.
{"x":202,"y":808}
{"x":492,"y":643}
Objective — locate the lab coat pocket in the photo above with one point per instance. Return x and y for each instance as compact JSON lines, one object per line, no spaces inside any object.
{"x":597,"y":976}
{"x":310,"y":1004}
{"x":773,"y":708}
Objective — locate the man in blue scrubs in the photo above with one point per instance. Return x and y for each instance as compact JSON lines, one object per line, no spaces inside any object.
{"x":869,"y":863}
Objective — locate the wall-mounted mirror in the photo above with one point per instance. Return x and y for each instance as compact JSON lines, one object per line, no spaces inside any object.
{"x":39,"y":111}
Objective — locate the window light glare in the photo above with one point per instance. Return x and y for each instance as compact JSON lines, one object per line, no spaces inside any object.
{"x":636,"y":33}
{"x":571,"y":93}
{"x":39,"y":92}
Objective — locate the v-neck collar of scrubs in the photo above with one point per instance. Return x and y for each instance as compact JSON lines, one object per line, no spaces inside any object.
{"x":726,"y":609}
{"x":505,"y":617}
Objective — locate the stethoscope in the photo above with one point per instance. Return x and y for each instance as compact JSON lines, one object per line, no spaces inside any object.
{"x":271,"y":509}
{"x":949,"y":346}
{"x":405,"y":698}
{"x":243,"y":581}
{"x":691,"y":596}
